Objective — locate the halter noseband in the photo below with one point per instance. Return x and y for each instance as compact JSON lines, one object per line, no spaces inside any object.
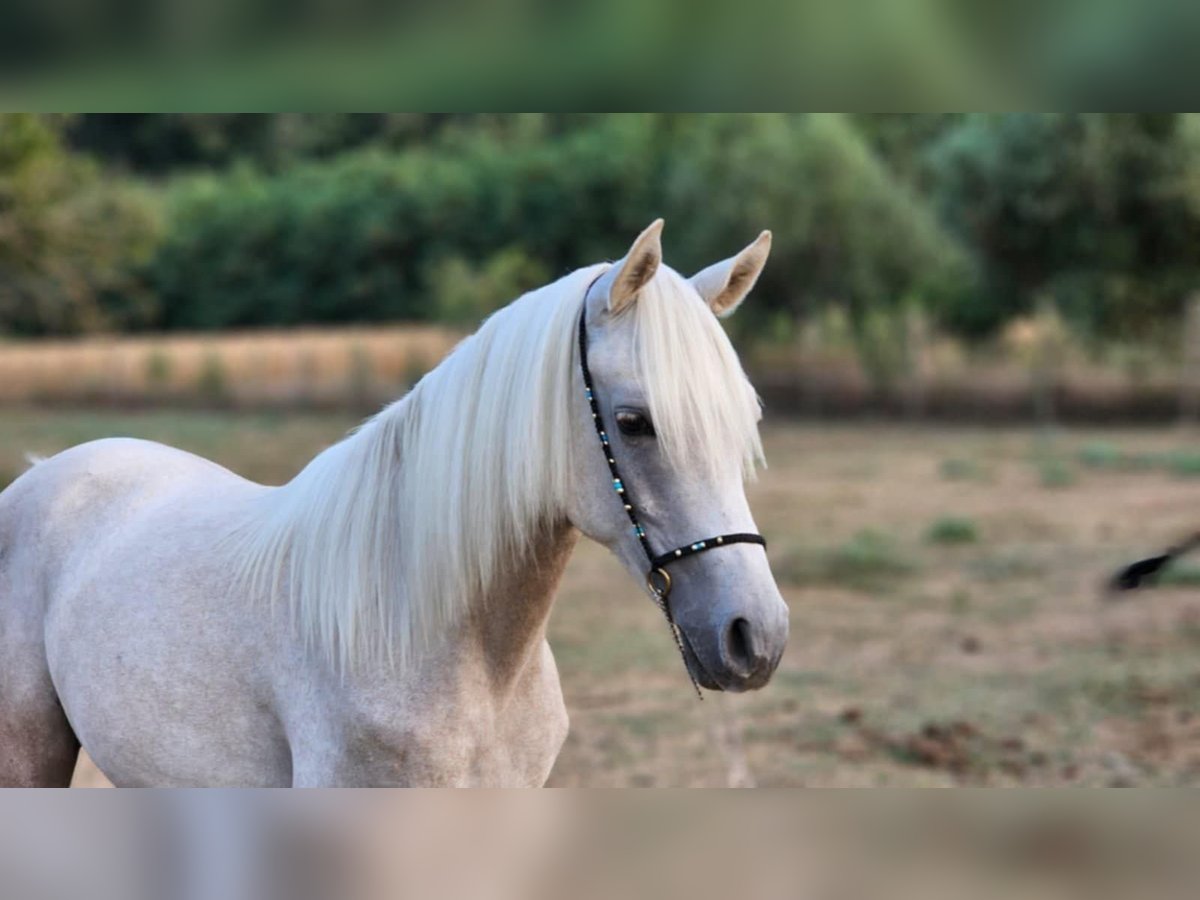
{"x":658,"y":579}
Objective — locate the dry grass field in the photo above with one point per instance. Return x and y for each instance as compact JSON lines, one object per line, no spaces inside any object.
{"x":359,"y":368}
{"x":343,"y":367}
{"x":947,"y":624}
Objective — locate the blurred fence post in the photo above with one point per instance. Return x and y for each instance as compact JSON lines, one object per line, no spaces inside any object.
{"x":811,"y":341}
{"x":307,"y":375}
{"x":1189,"y":375}
{"x":360,"y":377}
{"x":725,"y":733}
{"x":1048,"y":346}
{"x":916,"y":355}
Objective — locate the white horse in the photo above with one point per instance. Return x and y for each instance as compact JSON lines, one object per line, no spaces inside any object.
{"x":381,"y":618}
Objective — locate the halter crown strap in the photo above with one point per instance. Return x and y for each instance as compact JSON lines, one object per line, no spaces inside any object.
{"x":658,"y":580}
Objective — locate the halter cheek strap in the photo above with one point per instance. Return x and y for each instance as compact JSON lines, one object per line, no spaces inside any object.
{"x":658,"y":579}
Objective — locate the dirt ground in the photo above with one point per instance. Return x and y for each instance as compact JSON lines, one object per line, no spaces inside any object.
{"x":947,"y":620}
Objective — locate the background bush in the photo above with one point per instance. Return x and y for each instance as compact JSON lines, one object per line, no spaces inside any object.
{"x":72,"y":243}
{"x":207,"y":222}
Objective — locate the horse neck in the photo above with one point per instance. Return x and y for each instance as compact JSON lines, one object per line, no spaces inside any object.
{"x":390,"y":538}
{"x":510,"y":623}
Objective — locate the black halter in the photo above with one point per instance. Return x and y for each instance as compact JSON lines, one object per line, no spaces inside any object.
{"x":658,"y":579}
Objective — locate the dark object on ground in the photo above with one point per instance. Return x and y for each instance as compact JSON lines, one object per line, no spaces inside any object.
{"x":1136,"y":574}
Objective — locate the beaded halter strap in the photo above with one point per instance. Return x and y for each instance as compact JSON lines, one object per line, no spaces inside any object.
{"x":658,"y":579}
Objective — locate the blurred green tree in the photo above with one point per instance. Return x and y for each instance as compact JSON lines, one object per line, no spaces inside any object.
{"x":70,"y":242}
{"x":1093,"y":210}
{"x":281,"y":219}
{"x":847,"y":231}
{"x":367,"y":235}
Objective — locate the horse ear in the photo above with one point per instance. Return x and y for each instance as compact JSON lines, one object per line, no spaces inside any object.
{"x":724,"y":285}
{"x":621,"y":283}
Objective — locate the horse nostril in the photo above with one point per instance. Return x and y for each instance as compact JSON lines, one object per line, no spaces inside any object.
{"x":740,"y":646}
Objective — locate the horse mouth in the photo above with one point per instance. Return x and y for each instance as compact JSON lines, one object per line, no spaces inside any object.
{"x":695,"y":668}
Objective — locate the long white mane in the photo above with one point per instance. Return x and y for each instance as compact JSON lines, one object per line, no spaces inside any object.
{"x":384,"y":539}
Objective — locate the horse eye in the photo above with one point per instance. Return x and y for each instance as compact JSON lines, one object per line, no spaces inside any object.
{"x":634,"y":424}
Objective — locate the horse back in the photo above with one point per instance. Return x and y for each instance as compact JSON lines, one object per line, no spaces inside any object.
{"x":86,"y":496}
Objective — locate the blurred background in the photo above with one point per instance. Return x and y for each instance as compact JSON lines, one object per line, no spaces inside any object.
{"x":977,"y":341}
{"x":227,"y":55}
{"x":512,"y":845}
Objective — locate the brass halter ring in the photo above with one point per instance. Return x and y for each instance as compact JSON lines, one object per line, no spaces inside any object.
{"x":661,"y":593}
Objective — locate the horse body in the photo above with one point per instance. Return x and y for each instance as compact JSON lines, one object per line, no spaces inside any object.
{"x":171,"y":675}
{"x":381,"y":618}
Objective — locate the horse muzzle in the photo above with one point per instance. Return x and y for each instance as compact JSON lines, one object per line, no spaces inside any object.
{"x":744,"y":655}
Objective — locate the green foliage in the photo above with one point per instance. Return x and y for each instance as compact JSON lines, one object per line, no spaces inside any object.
{"x":158,"y":143}
{"x":212,"y":384}
{"x":960,"y":470}
{"x":361,"y":375}
{"x":282,"y":219}
{"x":884,"y":343}
{"x":158,"y":368}
{"x":368,"y":235}
{"x":1054,"y":472}
{"x":1107,"y":456}
{"x":952,"y":530}
{"x":1100,"y":455}
{"x":465,"y":294}
{"x":870,"y":560}
{"x":71,"y":242}
{"x":1184,"y":463}
{"x":847,"y":231}
{"x":1090,"y":209}
{"x":451,"y":229}
{"x":1179,"y":575}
